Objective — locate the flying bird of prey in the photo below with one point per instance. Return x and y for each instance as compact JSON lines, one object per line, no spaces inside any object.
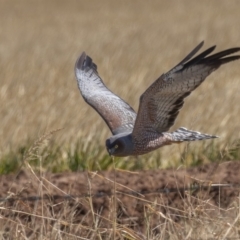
{"x":142,"y":132}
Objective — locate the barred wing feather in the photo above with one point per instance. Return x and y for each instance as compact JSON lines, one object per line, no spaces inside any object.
{"x":117,"y":114}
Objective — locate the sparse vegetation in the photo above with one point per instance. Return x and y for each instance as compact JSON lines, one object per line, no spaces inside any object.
{"x":60,"y":159}
{"x":132,"y":43}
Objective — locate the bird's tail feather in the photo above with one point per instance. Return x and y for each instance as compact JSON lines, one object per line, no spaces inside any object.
{"x":183,"y":134}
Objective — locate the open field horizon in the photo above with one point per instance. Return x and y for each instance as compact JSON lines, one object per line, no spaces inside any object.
{"x":132,"y":46}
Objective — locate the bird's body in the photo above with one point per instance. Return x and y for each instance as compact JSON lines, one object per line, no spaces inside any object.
{"x":136,"y":134}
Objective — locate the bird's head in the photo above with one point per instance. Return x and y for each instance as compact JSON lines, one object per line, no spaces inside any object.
{"x":120,"y":145}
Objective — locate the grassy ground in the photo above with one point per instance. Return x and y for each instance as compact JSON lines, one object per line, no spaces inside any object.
{"x":132,"y":42}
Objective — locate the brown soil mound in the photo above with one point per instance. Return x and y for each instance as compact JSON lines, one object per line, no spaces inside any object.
{"x":79,"y":200}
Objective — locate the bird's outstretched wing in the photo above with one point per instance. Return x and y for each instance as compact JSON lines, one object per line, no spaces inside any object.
{"x":117,"y":114}
{"x":161,"y":102}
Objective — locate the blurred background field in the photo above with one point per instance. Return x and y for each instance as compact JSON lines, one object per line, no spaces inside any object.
{"x":132,"y":42}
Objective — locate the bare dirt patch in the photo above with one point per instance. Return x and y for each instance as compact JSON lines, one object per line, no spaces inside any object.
{"x":76,"y":202}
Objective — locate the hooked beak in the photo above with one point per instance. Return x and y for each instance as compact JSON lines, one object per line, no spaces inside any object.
{"x":110,"y":151}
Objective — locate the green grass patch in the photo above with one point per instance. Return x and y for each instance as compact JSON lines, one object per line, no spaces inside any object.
{"x":46,"y":155}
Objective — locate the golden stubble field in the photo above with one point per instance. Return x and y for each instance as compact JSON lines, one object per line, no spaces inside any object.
{"x":132,"y":42}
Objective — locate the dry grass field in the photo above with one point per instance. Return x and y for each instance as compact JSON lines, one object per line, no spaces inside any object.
{"x":132,"y":42}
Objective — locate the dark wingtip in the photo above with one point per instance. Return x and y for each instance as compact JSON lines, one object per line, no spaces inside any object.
{"x":222,"y":54}
{"x":201,"y":44}
{"x":85,"y":62}
{"x":191,"y":54}
{"x":80,"y":61}
{"x":199,"y":57}
{"x":229,"y":59}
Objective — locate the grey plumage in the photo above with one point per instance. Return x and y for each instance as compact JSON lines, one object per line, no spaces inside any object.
{"x":135,"y":134}
{"x":183,"y":134}
{"x":117,"y":114}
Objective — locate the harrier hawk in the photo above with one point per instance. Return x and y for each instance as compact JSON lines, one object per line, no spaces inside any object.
{"x":136,"y":134}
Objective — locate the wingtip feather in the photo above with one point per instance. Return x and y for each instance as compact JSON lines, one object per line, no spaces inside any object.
{"x":80,"y":61}
{"x":191,"y":54}
{"x":201,"y":44}
{"x":84,"y":62}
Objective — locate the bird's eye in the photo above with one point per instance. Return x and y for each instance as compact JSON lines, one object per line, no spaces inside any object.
{"x":116,"y":146}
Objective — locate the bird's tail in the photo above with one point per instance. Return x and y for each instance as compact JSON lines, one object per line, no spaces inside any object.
{"x":183,"y":134}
